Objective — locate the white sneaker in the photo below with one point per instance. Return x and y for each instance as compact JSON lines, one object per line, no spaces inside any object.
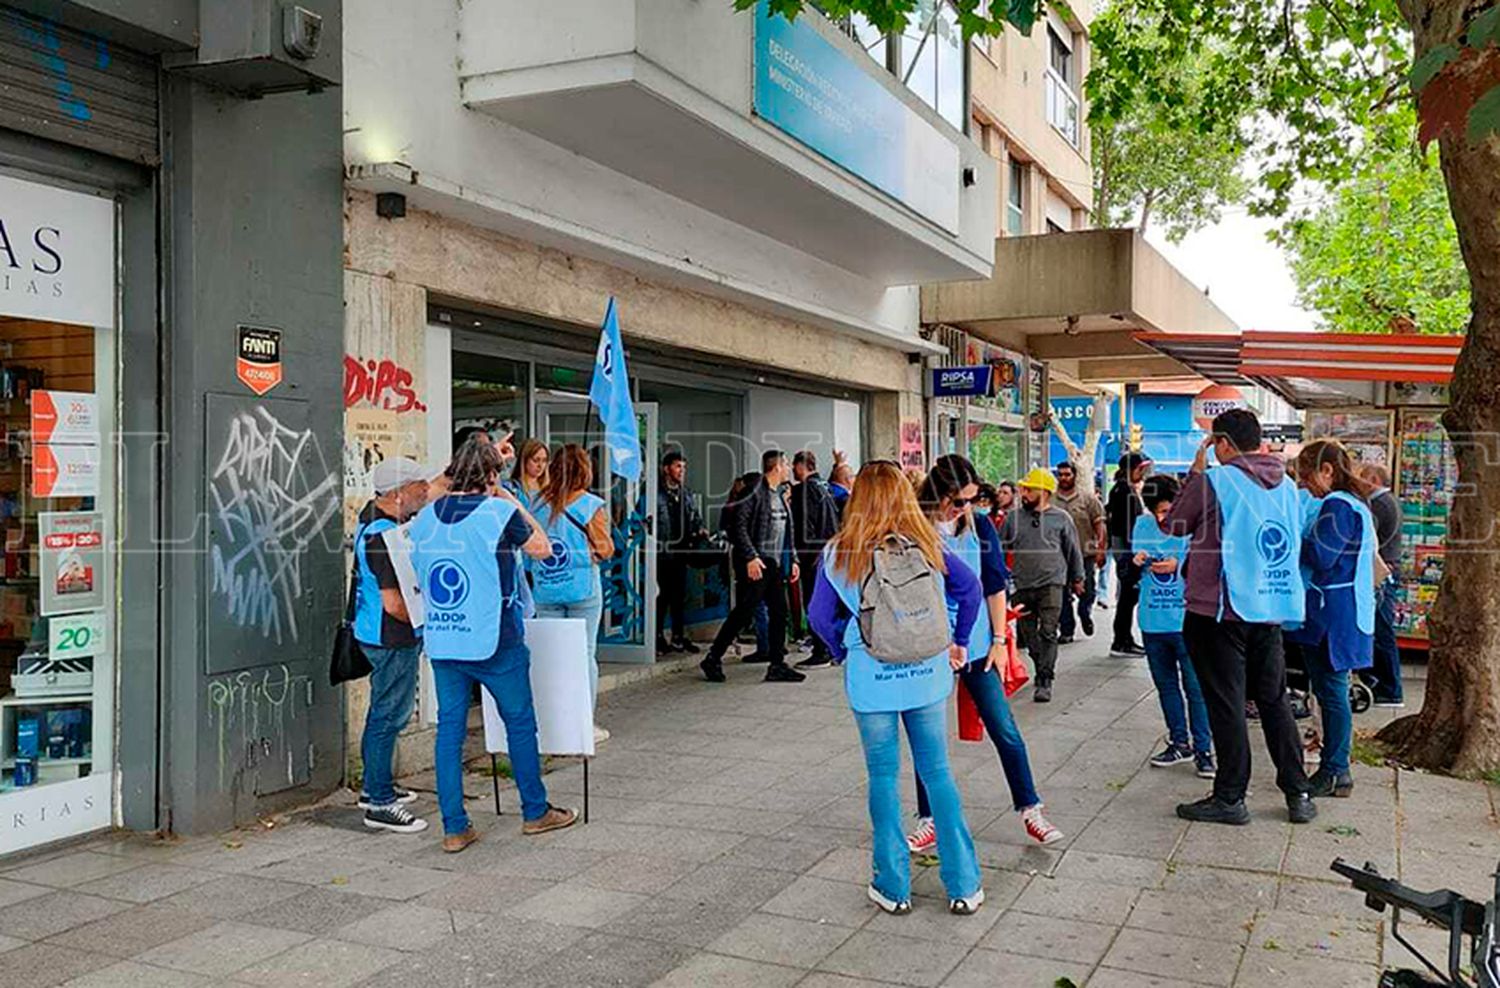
{"x":601,"y":735}
{"x":894,"y":907}
{"x":1038,"y":827}
{"x":924,"y":839}
{"x":968,"y":906}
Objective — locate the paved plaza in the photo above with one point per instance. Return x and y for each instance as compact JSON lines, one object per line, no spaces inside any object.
{"x":728,"y":848}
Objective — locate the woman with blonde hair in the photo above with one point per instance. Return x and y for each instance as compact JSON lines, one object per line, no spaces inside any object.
{"x":567,"y":583}
{"x":882,"y":513}
{"x":529,"y":475}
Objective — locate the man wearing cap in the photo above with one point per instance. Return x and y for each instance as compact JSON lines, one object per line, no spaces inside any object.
{"x":1043,"y":544}
{"x":384,"y":632}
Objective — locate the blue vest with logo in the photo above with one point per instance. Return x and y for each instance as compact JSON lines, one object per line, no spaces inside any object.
{"x":967,"y":547}
{"x":1259,"y":552}
{"x":369,"y":609}
{"x":570,"y":574}
{"x":459,"y":573}
{"x":1162,"y":605}
{"x":878,"y":687}
{"x":1363,"y":584}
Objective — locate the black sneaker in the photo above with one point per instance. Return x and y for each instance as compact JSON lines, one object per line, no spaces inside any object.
{"x":1300,"y":808}
{"x":1204,"y":766}
{"x":664,"y":647}
{"x":404,"y":797}
{"x":713,"y":669}
{"x":1323,"y":783}
{"x":1127,"y":650}
{"x":1212,"y":809}
{"x":780,"y":672}
{"x":396,"y":818}
{"x":1171,"y":755}
{"x":685,"y":645}
{"x":1065,"y":639}
{"x":1042,"y":693}
{"x":755,"y":657}
{"x":1087,"y":624}
{"x":816,"y":661}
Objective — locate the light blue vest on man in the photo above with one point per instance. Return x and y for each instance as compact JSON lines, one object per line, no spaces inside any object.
{"x":459,"y":573}
{"x":1259,"y":556}
{"x":879,"y":687}
{"x":968,"y":548}
{"x":369,"y":608}
{"x":1162,"y":607}
{"x":570,"y":574}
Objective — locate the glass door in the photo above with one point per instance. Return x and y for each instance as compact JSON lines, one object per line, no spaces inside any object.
{"x":628,"y":629}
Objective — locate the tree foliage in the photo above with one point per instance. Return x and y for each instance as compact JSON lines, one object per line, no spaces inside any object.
{"x":1381,"y":255}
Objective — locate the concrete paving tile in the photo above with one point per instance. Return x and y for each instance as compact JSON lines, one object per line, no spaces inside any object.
{"x":407,"y":927}
{"x":822,"y":901}
{"x":1277,"y":969}
{"x":72,"y":869}
{"x":728,"y":884}
{"x":576,"y":905}
{"x":930,"y":920}
{"x":988,"y":968}
{"x":229,"y":896}
{"x":148,"y":883}
{"x":13,"y":892}
{"x":822,"y":979}
{"x":599,"y":959}
{"x":1184,"y":958}
{"x":1226,"y":920}
{"x":1093,"y":902}
{"x":1320,"y":936}
{"x":604,"y":835}
{"x":641,"y":873}
{"x":1322,"y":899}
{"x":11,"y":943}
{"x":903,"y":960}
{"x":315,"y":912}
{"x":844,"y":864}
{"x":685,"y":921}
{"x":1024,"y":858}
{"x":781,"y":940}
{"x":47,"y":915}
{"x":129,"y":974}
{"x":325,"y":963}
{"x":714,"y":971}
{"x":1114,"y":836}
{"x":133,"y":931}
{"x":1114,"y":869}
{"x":1110,"y":977}
{"x":481,"y":954}
{"x":237,"y":856}
{"x":1258,"y":847}
{"x":393,"y":881}
{"x":318,"y":868}
{"x":39,"y":965}
{"x":483,"y":893}
{"x":1051,"y":937}
{"x":1221,"y":883}
{"x":552,"y":864}
{"x":222,"y":949}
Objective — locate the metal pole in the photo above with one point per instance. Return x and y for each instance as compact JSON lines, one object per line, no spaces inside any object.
{"x":585,"y":789}
{"x":495,"y":780}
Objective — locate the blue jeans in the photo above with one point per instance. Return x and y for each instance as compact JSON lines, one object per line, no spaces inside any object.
{"x":507,"y":675}
{"x":591,"y":611}
{"x":926,"y":730}
{"x":1385,"y":675}
{"x":393,"y":690}
{"x":1172,"y":672}
{"x":1000,"y":724}
{"x":1331,"y":687}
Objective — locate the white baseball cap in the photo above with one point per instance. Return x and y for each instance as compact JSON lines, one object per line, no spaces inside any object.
{"x":396,"y":472}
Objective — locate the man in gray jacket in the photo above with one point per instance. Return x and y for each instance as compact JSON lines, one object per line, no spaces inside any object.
{"x":1043,"y":544}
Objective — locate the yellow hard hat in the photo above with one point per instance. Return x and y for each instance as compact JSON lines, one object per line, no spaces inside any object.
{"x":1040,"y":479}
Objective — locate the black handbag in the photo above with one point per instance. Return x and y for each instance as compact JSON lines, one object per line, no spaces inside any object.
{"x":349,"y":661}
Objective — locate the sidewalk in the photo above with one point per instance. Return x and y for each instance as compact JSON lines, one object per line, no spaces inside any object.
{"x":726,"y":850}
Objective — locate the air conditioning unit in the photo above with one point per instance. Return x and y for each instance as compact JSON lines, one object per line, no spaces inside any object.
{"x":257,"y":47}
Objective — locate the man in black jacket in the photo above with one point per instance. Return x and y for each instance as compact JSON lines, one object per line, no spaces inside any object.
{"x":761,"y":543}
{"x":678,"y":526}
{"x":1120,"y":513}
{"x":815,"y":520}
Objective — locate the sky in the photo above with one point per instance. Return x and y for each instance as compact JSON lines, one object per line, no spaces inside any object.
{"x":1246,"y":275}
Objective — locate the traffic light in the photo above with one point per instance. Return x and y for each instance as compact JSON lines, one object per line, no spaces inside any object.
{"x":1135,"y":436}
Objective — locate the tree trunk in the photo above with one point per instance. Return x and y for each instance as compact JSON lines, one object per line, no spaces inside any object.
{"x":1146,"y":203}
{"x":1458,"y":728}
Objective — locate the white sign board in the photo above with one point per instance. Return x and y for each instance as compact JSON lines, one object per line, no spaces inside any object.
{"x":57,"y":254}
{"x":37,"y":814}
{"x":77,"y":636}
{"x":398,"y":548}
{"x":560,"y":690}
{"x":64,"y":471}
{"x":65,"y":417}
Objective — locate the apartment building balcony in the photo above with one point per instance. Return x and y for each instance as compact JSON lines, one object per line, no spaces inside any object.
{"x":1077,"y":300}
{"x":789,"y":129}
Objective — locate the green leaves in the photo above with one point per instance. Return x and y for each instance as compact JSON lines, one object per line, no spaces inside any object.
{"x":976,"y":17}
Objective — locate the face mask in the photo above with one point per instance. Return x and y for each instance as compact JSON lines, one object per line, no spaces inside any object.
{"x":948,"y":527}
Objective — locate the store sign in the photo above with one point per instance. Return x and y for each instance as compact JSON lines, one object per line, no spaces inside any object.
{"x":961,"y":382}
{"x":77,"y":636}
{"x":64,"y":471}
{"x":912,"y":454}
{"x":809,"y":88}
{"x":54,"y":810}
{"x":57,"y":254}
{"x":1215,"y":400}
{"x":72,"y":561}
{"x":64,"y":417}
{"x":258,"y":360}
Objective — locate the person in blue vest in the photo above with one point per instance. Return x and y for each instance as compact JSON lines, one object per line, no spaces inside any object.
{"x":886,"y":697}
{"x":1160,"y":612}
{"x":383,"y":629}
{"x":948,"y":496}
{"x":1338,"y":634}
{"x":567,"y":583}
{"x":1241,"y":583}
{"x":464,"y":548}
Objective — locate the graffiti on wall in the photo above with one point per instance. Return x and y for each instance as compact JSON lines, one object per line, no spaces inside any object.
{"x":271,"y":497}
{"x":382,"y":419}
{"x":380,"y":384}
{"x":250,"y":713}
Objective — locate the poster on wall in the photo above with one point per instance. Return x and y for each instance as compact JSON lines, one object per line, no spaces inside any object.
{"x":64,"y":471}
{"x":65,"y":418}
{"x":1007,"y":377}
{"x":60,"y":254}
{"x":370,"y":436}
{"x":77,"y":636}
{"x":912,"y":457}
{"x":72,"y":561}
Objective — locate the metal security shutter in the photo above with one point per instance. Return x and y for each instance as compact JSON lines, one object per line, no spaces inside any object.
{"x":76,"y":88}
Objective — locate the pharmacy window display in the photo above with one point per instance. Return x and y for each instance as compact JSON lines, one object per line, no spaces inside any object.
{"x":57,"y":507}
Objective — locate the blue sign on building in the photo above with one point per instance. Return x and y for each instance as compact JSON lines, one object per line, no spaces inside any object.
{"x":961,"y":382}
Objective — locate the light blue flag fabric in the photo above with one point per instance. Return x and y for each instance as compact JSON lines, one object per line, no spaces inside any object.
{"x":610,"y":393}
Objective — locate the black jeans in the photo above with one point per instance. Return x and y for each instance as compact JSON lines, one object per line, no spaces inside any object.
{"x":1236,"y":661}
{"x":1038,"y":627}
{"x":771,"y":588}
{"x":1066,"y":622}
{"x":1130,"y":595}
{"x":807,"y":562}
{"x":671,"y":596}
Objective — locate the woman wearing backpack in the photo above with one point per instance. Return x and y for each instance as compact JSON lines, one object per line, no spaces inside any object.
{"x":566,"y":584}
{"x":898,"y":671}
{"x":948,"y":497}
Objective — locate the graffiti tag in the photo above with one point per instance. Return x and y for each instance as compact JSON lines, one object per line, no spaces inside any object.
{"x":383,"y":384}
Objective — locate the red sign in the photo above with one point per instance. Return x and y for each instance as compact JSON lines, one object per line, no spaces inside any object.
{"x":258,"y":362}
{"x":1215,"y":399}
{"x":64,"y":471}
{"x":64,"y":417}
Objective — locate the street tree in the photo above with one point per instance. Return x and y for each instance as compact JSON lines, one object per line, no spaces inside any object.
{"x":1314,"y":76}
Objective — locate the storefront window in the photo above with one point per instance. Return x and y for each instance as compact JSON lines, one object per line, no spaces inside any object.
{"x":490,"y":392}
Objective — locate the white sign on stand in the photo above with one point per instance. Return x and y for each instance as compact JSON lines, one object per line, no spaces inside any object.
{"x":560,"y":690}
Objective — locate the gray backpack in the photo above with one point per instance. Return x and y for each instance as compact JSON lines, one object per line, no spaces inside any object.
{"x":903,"y":612}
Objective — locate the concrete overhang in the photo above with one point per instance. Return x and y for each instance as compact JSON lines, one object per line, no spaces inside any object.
{"x":667,"y":101}
{"x":434,"y":194}
{"x":1080,"y":297}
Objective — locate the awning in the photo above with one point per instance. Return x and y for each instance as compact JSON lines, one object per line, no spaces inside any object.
{"x":1312,"y":370}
